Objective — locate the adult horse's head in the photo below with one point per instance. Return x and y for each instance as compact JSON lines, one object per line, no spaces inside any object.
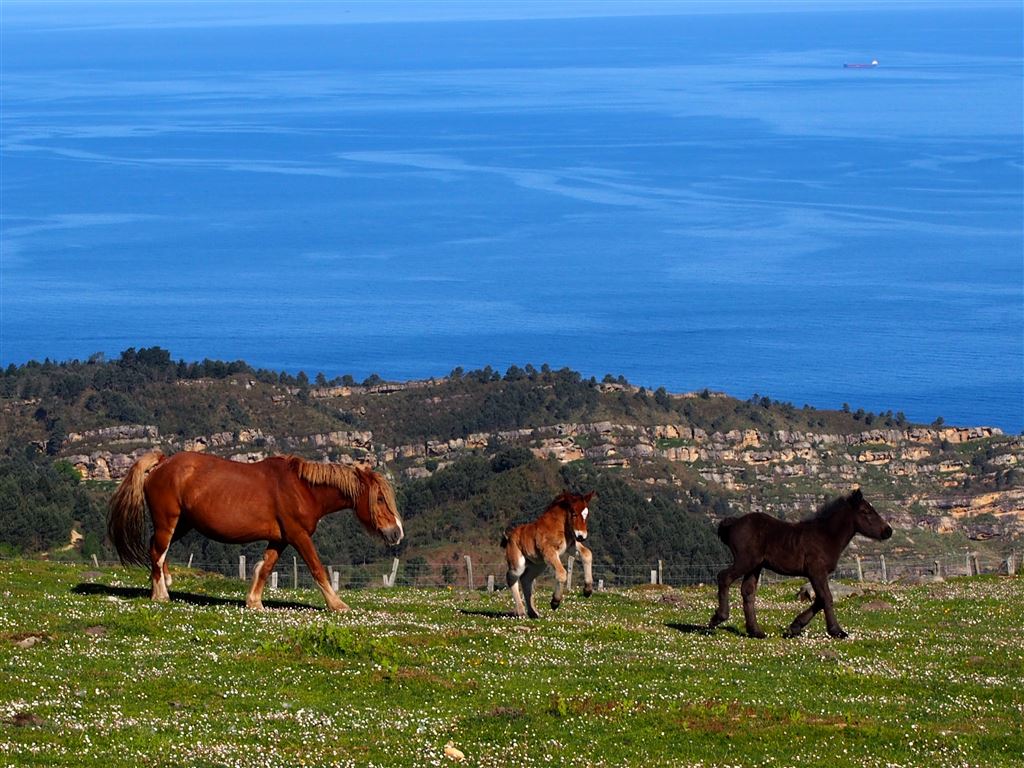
{"x":866,"y":521}
{"x":578,"y":510}
{"x":376,"y":507}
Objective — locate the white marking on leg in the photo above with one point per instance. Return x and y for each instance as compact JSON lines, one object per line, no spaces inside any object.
{"x":519,"y":567}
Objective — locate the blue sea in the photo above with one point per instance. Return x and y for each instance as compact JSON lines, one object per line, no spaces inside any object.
{"x":690,"y":194}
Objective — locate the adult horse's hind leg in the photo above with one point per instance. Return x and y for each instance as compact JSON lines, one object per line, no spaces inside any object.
{"x":164,"y":522}
{"x":180,"y":530}
{"x":262,"y":572}
{"x":749,"y":590}
{"x":725,"y":580}
{"x":533,"y":570}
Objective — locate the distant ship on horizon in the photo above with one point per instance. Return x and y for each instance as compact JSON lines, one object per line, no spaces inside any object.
{"x":861,"y":65}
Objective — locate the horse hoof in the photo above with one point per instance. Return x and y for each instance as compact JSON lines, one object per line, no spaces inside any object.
{"x":715,"y":621}
{"x":758,"y":634}
{"x":555,"y":604}
{"x":839,"y":634}
{"x":588,"y":590}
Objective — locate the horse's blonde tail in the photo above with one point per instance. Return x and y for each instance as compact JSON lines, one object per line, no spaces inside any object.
{"x":126,"y":518}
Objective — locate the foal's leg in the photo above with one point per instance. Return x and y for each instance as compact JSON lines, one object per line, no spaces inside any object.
{"x":533,"y":570}
{"x":822,"y":601}
{"x":561,"y":577}
{"x":725,"y":580}
{"x":304,"y":546}
{"x":749,"y":590}
{"x":516,"y":567}
{"x":261,"y":573}
{"x":588,"y":572}
{"x":820,"y":584}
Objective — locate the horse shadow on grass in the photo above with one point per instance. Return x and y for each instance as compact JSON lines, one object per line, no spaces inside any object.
{"x":139,"y":593}
{"x":701,"y":629}
{"x":488,"y":614}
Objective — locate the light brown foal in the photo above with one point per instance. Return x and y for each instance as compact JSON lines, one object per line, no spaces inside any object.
{"x":561,"y":528}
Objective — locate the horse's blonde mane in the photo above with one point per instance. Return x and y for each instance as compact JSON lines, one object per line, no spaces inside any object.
{"x":349,"y":480}
{"x":344,"y":478}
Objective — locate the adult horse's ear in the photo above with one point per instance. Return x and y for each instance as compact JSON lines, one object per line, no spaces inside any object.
{"x":589,"y":496}
{"x":857,"y":496}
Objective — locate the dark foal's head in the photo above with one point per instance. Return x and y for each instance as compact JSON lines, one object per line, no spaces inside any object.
{"x":578,"y":510}
{"x":866,"y":520}
{"x":376,"y":508}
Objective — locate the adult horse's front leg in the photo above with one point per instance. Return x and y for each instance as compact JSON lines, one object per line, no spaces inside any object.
{"x":749,"y":591}
{"x":304,"y":546}
{"x":261,"y":573}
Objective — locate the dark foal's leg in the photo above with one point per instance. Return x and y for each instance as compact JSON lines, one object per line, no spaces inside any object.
{"x":822,"y":602}
{"x":749,"y":591}
{"x":725,"y":580}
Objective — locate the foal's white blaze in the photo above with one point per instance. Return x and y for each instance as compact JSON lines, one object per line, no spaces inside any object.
{"x":585,"y":512}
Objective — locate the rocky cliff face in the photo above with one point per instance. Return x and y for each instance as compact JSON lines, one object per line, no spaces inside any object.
{"x":933,"y":471}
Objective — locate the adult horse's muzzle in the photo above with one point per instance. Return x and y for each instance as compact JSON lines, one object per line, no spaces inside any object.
{"x":887,"y":533}
{"x":392,"y":535}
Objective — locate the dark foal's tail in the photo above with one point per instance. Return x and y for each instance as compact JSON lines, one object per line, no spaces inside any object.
{"x":126,"y":519}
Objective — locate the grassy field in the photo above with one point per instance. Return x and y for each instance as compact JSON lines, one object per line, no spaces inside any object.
{"x":932,"y":675}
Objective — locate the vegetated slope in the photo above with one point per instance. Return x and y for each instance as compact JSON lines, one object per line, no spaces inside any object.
{"x":699,"y":454}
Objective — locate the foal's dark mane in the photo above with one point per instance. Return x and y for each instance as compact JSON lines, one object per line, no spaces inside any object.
{"x":829,"y":508}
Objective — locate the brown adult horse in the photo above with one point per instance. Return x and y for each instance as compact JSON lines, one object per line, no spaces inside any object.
{"x":279,"y":500}
{"x":560,"y":528}
{"x":809,"y":548}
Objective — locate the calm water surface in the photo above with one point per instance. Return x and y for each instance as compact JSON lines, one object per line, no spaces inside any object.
{"x":692,"y":200}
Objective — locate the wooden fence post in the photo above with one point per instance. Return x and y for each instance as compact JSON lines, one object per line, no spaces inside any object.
{"x":600,"y":585}
{"x":490,"y":582}
{"x":390,"y":580}
{"x":568,"y":573}
{"x":295,"y":572}
{"x":654,"y":576}
{"x":860,"y":570}
{"x":967,"y":555}
{"x":661,"y":572}
{"x":273,"y":579}
{"x":335,"y":580}
{"x":190,"y":556}
{"x":885,"y":572}
{"x":938,"y":571}
{"x":241,"y":567}
{"x":469,"y":571}
{"x":974,"y":562}
{"x":95,"y":561}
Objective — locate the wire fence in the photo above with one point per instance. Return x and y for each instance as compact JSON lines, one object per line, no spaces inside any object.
{"x":468,"y":572}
